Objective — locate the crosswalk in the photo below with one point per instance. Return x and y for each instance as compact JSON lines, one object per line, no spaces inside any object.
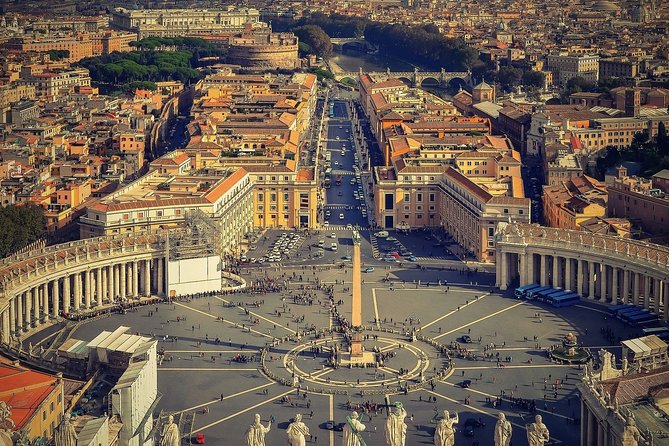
{"x":343,"y":172}
{"x":341,"y":206}
{"x":337,"y":228}
{"x":433,"y":258}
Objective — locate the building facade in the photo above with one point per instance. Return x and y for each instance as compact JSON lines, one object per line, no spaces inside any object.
{"x":565,"y":66}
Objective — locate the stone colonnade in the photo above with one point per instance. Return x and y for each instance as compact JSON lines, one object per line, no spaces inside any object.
{"x":598,"y":268}
{"x":80,"y":291}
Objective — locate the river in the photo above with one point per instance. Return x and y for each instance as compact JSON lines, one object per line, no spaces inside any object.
{"x":352,"y":61}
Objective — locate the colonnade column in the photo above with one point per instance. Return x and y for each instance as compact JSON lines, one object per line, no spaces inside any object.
{"x":147,"y":277}
{"x":98,"y":287}
{"x":530,"y":268}
{"x":117,"y":281}
{"x":122,"y":274}
{"x":604,"y":286}
{"x":47,"y":306}
{"x":36,"y":306}
{"x":636,"y":278}
{"x":657,"y":293}
{"x":543,"y":280}
{"x":55,"y":309}
{"x":504,"y":269}
{"x":12,"y":315}
{"x":161,"y":278}
{"x":568,"y":281}
{"x":591,"y":280}
{"x":6,"y":326}
{"x":105,"y":283}
{"x":646,"y":292}
{"x":579,"y":277}
{"x":135,"y":279}
{"x":555,"y":280}
{"x":87,"y":288}
{"x":626,"y":286}
{"x":614,"y":285}
{"x":112,"y":283}
{"x":20,"y":304}
{"x":77,"y":290}
{"x":66,"y":294}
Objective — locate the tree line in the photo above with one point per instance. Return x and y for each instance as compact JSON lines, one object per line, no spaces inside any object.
{"x":21,"y":225}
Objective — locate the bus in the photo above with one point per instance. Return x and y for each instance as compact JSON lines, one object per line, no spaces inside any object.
{"x":564,"y":300}
{"x":657,"y":331}
{"x":547,"y":297}
{"x":532,"y":294}
{"x":521,"y":291}
{"x":614,"y":309}
{"x":624,"y":314}
{"x":642,"y":318}
{"x":541,"y":296}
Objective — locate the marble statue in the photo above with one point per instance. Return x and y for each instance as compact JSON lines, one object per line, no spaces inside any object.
{"x":631,"y":435}
{"x":65,"y":434}
{"x":537,"y":432}
{"x":170,"y":435}
{"x":502,"y":431}
{"x":352,"y":431}
{"x":444,"y":434}
{"x":396,"y":428}
{"x":297,"y":432}
{"x":255,"y":434}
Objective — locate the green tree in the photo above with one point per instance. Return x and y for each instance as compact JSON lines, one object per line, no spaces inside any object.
{"x":509,"y":77}
{"x":534,"y":79}
{"x":662,"y":140}
{"x":56,"y":55}
{"x":316,"y":38}
{"x":21,"y":225}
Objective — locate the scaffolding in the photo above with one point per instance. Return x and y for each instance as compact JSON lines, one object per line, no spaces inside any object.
{"x":201,"y":236}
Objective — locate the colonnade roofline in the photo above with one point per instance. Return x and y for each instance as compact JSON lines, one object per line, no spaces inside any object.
{"x":16,"y":268}
{"x":539,"y":236}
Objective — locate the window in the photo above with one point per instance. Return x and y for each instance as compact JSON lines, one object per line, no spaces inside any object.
{"x":285,"y":207}
{"x":177,"y":212}
{"x":141,"y":215}
{"x":431,"y":198}
{"x":261,"y":197}
{"x":272,"y":198}
{"x":406,"y":208}
{"x":406,"y":216}
{"x":285,"y":216}
{"x":126,"y":216}
{"x":51,"y":407}
{"x":285,"y":196}
{"x":419,"y":197}
{"x":506,"y":211}
{"x":407,"y":198}
{"x":44,"y":415}
{"x":159,"y":213}
{"x":521,"y":211}
{"x":419,"y":216}
{"x":273,"y":178}
{"x":491,"y":231}
{"x":261,"y":207}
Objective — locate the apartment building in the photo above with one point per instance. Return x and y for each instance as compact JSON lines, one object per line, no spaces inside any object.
{"x":570,"y":203}
{"x":565,"y":66}
{"x":184,"y":22}
{"x":618,"y":67}
{"x":644,"y":201}
{"x":50,"y":85}
{"x":467,"y":193}
{"x":166,"y":196}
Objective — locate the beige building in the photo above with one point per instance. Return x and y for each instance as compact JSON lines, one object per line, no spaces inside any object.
{"x":573,"y":201}
{"x":184,"y":22}
{"x":466,"y":194}
{"x":166,"y":196}
{"x":264,"y":50}
{"x":565,"y":66}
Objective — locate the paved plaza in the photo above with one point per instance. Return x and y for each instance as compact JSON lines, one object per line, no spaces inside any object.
{"x":212,"y":353}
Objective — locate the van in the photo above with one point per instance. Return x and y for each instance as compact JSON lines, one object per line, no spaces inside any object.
{"x":321,"y":243}
{"x":333,"y":246}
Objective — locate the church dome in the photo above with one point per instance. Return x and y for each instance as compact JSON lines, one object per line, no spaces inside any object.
{"x":604,"y":5}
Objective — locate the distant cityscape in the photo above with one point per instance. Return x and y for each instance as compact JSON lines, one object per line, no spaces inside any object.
{"x":189,"y":160}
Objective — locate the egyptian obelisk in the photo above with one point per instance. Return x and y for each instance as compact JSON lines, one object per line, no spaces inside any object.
{"x":356,"y":302}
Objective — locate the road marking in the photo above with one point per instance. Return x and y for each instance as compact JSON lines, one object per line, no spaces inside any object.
{"x":227,"y":397}
{"x":592,"y":309}
{"x":331,"y":418}
{"x":376,"y":308}
{"x":476,"y":409}
{"x":256,"y":315}
{"x":225,"y":320}
{"x":244,"y":410}
{"x":479,"y":320}
{"x":204,"y":369}
{"x":454,"y":311}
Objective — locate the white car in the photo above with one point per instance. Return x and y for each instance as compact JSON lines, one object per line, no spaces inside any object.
{"x":382,"y":234}
{"x":333,"y":246}
{"x":326,"y":223}
{"x":341,"y":216}
{"x":333,"y":235}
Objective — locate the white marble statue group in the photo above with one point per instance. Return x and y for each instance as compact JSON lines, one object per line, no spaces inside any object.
{"x":395,"y":430}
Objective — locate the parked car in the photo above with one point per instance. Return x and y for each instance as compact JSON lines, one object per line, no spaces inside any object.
{"x":382,"y":234}
{"x":466,"y":339}
{"x":466,"y":384}
{"x":199,"y":438}
{"x":369,"y":269}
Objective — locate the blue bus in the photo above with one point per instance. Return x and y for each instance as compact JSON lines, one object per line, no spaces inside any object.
{"x":657,"y":331}
{"x":550,"y":296}
{"x":566,"y":300}
{"x":531,"y":294}
{"x":624,"y":314}
{"x":522,"y":290}
{"x":614,"y":309}
{"x":543,"y":295}
{"x":628,"y":317}
{"x":639,"y":319}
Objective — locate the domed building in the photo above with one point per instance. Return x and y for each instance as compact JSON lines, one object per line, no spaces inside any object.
{"x":605,"y":7}
{"x":483,"y":92}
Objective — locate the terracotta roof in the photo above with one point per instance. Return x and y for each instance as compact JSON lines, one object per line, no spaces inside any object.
{"x":631,"y":388}
{"x":24,"y":391}
{"x":225,"y":185}
{"x":468,"y":184}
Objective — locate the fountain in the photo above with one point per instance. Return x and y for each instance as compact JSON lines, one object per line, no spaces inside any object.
{"x":570,"y":352}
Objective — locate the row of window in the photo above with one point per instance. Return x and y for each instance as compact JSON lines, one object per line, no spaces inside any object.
{"x":419,"y":197}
